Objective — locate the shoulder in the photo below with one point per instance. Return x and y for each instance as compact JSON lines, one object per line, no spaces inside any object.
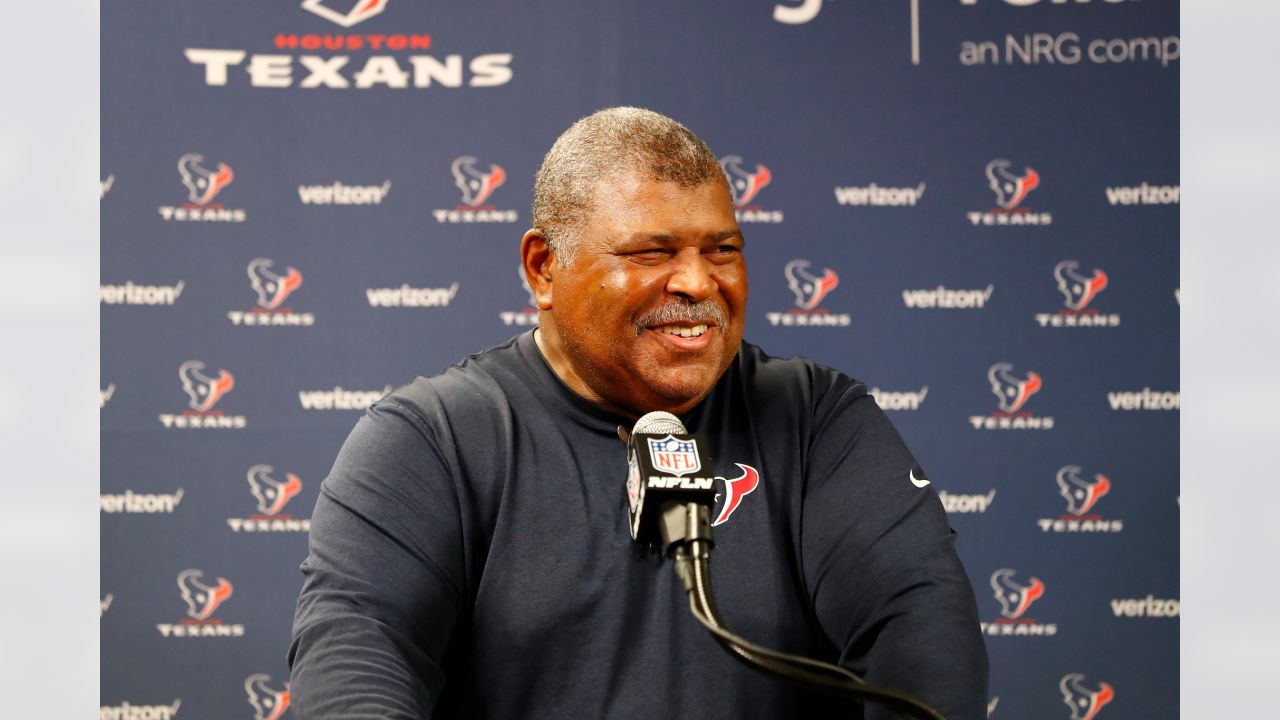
{"x":478,"y":381}
{"x":797,"y":379}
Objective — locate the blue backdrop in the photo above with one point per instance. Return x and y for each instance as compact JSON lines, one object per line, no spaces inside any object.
{"x":972,"y":205}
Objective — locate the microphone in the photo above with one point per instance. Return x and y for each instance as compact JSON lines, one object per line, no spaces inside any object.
{"x":670,"y":508}
{"x":664,"y":475}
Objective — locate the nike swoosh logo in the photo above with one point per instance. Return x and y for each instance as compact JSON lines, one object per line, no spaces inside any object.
{"x":917,"y":481}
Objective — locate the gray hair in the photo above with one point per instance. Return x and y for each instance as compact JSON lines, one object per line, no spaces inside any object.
{"x":603,"y":145}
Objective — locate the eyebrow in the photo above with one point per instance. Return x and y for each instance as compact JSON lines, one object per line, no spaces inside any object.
{"x":667,"y":239}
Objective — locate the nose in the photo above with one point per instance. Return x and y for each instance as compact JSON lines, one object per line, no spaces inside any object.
{"x":691,"y":275}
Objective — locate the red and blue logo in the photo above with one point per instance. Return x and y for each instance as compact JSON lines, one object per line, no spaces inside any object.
{"x":1081,"y":494}
{"x":734,"y":491}
{"x":272,"y":495}
{"x":1012,"y":392}
{"x":272,"y":288}
{"x":809,"y":289}
{"x":1009,"y":187}
{"x":357,"y":10}
{"x":203,"y":184}
{"x":267,"y":702}
{"x":1014,"y":597}
{"x":1078,"y":289}
{"x":476,"y":186}
{"x":745,"y":186}
{"x":203,"y":391}
{"x":202,"y":599}
{"x":1084,"y":702}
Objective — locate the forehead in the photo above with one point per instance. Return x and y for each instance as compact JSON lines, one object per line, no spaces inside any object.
{"x":628,"y":203}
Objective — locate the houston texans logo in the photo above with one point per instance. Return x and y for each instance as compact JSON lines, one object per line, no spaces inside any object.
{"x":1078,"y":290}
{"x":203,"y":390}
{"x":272,"y":288}
{"x":1010,"y":189}
{"x":744,"y":185}
{"x":272,"y":495}
{"x":201,"y":599}
{"x":476,"y":186}
{"x":1014,"y":598}
{"x":1012,"y":392}
{"x":1084,"y":703}
{"x":1081,"y":495}
{"x":735,"y":490}
{"x":202,"y":183}
{"x":809,"y":289}
{"x":360,"y":10}
{"x":267,"y":704}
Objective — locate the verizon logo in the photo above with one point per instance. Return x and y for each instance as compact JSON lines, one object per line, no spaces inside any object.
{"x":1145,"y":194}
{"x":947,"y":299}
{"x":405,"y":296}
{"x":132,"y":502}
{"x":340,"y":398}
{"x":1146,"y":399}
{"x":904,"y":400}
{"x":877,"y":196}
{"x":127,"y":711}
{"x":1146,"y":607}
{"x":131,"y":294}
{"x":966,"y":503}
{"x":339,"y":194}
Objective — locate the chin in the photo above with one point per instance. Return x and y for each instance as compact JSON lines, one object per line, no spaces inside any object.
{"x":675,"y":395}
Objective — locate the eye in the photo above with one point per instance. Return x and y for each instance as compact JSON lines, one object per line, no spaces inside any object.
{"x":724,"y":253}
{"x":650,"y":256}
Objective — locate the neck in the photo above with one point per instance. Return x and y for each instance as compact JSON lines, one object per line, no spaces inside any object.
{"x":548,"y":342}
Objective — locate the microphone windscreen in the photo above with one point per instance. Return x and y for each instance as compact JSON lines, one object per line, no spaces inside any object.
{"x":658,"y":423}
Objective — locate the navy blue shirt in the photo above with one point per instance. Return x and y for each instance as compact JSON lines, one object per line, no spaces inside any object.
{"x":470,"y":557}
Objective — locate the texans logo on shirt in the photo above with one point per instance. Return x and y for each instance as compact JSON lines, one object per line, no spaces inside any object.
{"x":734,"y":491}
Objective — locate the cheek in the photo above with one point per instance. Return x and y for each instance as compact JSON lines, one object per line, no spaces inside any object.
{"x":733,"y":285}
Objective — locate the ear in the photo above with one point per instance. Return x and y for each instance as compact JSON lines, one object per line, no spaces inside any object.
{"x":539,"y":264}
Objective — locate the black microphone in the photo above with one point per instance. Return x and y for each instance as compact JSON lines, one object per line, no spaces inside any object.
{"x":667,"y":468}
{"x":670,"y":501}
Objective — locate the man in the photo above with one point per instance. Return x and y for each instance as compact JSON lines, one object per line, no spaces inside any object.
{"x":470,"y":555}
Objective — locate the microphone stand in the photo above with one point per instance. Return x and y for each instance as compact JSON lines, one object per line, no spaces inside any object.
{"x":686,"y":536}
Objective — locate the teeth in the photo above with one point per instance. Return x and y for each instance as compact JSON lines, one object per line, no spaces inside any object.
{"x":694,"y":331}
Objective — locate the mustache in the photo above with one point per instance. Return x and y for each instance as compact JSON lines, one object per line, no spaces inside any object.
{"x":703,"y":312}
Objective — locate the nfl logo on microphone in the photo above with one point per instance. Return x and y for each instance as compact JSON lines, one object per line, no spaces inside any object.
{"x":678,"y":457}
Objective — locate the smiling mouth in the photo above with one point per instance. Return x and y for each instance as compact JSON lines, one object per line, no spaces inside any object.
{"x":688,"y":332}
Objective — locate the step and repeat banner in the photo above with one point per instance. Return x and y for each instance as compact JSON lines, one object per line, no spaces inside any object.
{"x":971,"y":205}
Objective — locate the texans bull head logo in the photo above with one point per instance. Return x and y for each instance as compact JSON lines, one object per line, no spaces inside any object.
{"x":272,"y":288}
{"x":1012,"y":392}
{"x":809,"y":289}
{"x":744,"y":185}
{"x":1014,"y":597}
{"x":735,"y":490}
{"x":1010,"y":188}
{"x":272,"y":495}
{"x":202,"y":183}
{"x":203,"y":390}
{"x":201,"y":599}
{"x":268,"y":704}
{"x":357,"y":11}
{"x":1084,"y":703}
{"x":476,"y":186}
{"x":1080,"y":494}
{"x":1078,"y":290}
